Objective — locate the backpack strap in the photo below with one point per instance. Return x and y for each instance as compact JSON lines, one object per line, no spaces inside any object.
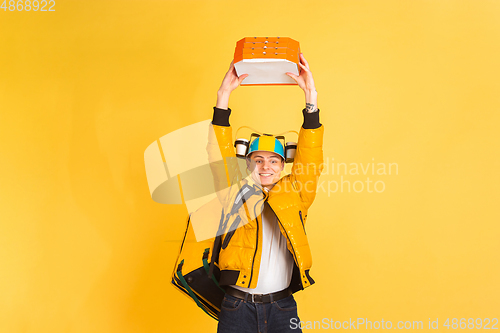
{"x":190,"y":291}
{"x":207,"y":268}
{"x":245,"y":192}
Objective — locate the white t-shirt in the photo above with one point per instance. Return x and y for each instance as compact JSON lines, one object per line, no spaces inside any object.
{"x":276,"y":264}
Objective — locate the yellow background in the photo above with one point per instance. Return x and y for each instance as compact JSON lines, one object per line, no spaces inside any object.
{"x":85,"y":89}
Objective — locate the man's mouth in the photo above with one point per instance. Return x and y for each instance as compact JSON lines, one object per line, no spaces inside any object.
{"x":265,"y":174}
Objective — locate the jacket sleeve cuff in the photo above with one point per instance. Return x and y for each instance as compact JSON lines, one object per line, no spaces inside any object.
{"x":311,"y":120}
{"x":221,"y":117}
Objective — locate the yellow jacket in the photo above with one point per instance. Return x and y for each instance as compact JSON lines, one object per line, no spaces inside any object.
{"x":238,"y":252}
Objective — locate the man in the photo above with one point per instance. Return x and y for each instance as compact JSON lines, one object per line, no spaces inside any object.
{"x":264,"y":261}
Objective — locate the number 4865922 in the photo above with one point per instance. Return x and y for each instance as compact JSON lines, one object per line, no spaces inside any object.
{"x":28,"y":5}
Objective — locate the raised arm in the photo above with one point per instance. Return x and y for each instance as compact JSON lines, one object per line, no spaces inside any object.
{"x":306,"y":83}
{"x":230,"y":82}
{"x":220,"y":120}
{"x":308,"y":162}
{"x":220,"y":148}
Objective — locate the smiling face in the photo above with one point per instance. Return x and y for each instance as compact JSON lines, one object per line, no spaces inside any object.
{"x":266,"y":167}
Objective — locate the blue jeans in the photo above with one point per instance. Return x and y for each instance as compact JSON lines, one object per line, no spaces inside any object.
{"x":239,"y":316}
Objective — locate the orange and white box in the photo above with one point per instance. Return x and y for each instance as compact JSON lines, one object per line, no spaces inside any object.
{"x":266,"y":60}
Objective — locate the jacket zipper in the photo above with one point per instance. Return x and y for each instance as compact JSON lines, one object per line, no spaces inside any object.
{"x":286,"y":234}
{"x":255,"y":253}
{"x":301,"y":220}
{"x":256,"y":243}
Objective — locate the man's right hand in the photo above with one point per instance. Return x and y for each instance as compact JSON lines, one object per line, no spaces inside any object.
{"x":230,"y":82}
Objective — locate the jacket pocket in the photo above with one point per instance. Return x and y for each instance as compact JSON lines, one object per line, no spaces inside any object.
{"x":302,"y":220}
{"x":231,"y":232}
